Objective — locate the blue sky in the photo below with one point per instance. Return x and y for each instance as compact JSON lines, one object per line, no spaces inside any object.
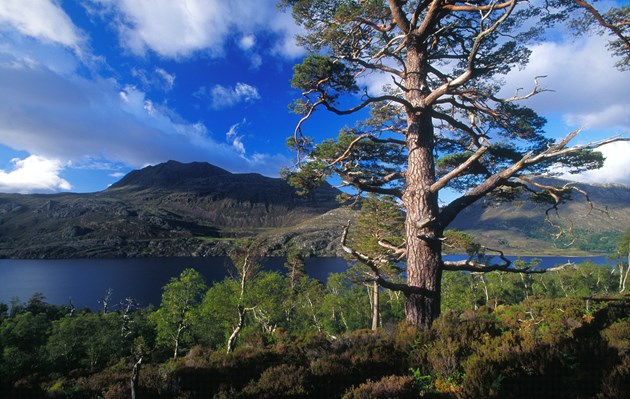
{"x":92,"y":89}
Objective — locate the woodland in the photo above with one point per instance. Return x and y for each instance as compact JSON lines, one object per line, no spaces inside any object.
{"x":483,"y":327}
{"x":260,"y":334}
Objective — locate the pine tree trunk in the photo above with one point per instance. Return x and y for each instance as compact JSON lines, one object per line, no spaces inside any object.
{"x":422,"y":229}
{"x":422,"y":226}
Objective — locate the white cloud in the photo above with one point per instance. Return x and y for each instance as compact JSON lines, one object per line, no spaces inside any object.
{"x":170,"y":28}
{"x":79,"y":119}
{"x":235,"y":139}
{"x":255,"y":61}
{"x":247,"y":42}
{"x":177,"y":29}
{"x":223,"y":97}
{"x":41,"y":19}
{"x":158,"y":79}
{"x":615,"y":169}
{"x":588,"y":91}
{"x":285,"y":27}
{"x":34,"y":174}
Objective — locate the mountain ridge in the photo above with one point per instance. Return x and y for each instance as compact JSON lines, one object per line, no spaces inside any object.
{"x":198,"y":209}
{"x":170,"y":209}
{"x":589,"y":225}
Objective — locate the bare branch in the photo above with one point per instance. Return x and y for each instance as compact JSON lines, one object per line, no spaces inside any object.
{"x":473,"y":8}
{"x":478,"y":267}
{"x":536,"y":90}
{"x":400,"y":252}
{"x":297,"y":133}
{"x":438,"y":185}
{"x":349,"y":149}
{"x":471,"y":266}
{"x":501,"y":178}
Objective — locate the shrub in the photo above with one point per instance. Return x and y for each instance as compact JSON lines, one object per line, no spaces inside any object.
{"x":616,"y":382}
{"x":617,"y":336}
{"x":117,"y":391}
{"x":390,"y":387}
{"x":283,"y":381}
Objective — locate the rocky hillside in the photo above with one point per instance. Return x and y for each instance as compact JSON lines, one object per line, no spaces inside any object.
{"x":197,"y":209}
{"x":520,"y":227}
{"x":171,"y":209}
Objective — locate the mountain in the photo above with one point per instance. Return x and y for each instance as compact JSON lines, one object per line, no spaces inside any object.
{"x":198,"y":209}
{"x":520,"y":227}
{"x":171,"y":209}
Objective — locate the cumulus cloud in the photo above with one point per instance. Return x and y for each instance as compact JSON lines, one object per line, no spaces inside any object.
{"x":588,"y":91}
{"x":78,"y":118}
{"x":615,"y":169}
{"x":34,"y":174}
{"x":220,"y":96}
{"x":176,"y":29}
{"x":285,"y":27}
{"x":41,"y":19}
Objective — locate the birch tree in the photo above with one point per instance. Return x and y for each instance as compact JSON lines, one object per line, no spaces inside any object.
{"x":178,"y":309}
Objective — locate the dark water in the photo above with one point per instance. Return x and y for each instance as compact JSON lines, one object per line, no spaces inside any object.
{"x":85,"y":281}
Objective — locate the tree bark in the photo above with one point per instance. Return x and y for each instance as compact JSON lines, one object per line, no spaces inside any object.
{"x":177,"y":338}
{"x":135,"y":375}
{"x":237,"y":329}
{"x":375,"y":305}
{"x":422,"y":227}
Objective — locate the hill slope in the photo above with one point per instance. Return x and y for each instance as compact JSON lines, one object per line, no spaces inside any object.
{"x":520,"y":227}
{"x":171,"y":209}
{"x":176,"y":209}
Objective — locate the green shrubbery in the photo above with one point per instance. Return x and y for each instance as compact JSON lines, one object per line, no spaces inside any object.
{"x":508,"y":336}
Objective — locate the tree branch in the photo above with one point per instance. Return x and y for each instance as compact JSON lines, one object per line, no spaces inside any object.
{"x":518,"y":97}
{"x":500,"y":178}
{"x":440,"y":184}
{"x":470,"y":7}
{"x":398,"y":14}
{"x":471,"y":266}
{"x":469,"y":73}
{"x":600,"y":19}
{"x":374,"y":265}
{"x":364,"y":104}
{"x":399,"y":252}
{"x":371,"y":188}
